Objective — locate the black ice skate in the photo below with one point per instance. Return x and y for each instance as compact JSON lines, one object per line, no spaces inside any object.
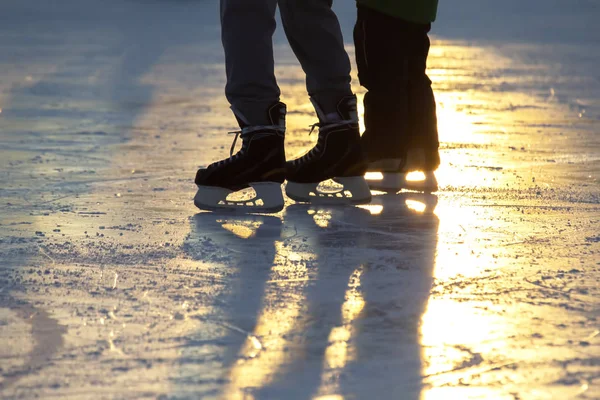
{"x":259,"y":164}
{"x":337,"y":156}
{"x":395,"y":170}
{"x":400,"y":117}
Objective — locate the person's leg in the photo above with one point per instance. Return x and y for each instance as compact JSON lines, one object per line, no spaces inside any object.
{"x":314,"y":33}
{"x":247,"y":28}
{"x":391,"y":56}
{"x":400,"y":116}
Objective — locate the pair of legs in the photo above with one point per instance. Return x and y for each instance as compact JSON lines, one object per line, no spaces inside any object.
{"x":400,"y":112}
{"x":314,"y":34}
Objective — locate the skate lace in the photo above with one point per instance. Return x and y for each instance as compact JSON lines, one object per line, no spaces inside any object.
{"x":245,"y":134}
{"x":324,"y":128}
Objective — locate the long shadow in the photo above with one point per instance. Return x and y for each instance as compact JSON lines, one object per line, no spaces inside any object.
{"x":240,"y":249}
{"x":335,"y":236}
{"x":47,"y":337}
{"x":395,"y":289}
{"x":360,"y":331}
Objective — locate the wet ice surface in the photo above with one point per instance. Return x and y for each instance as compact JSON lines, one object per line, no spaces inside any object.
{"x":112,"y":285}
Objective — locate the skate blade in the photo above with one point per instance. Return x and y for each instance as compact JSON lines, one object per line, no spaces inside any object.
{"x":268,"y":199}
{"x":354,"y":190}
{"x":396,"y":181}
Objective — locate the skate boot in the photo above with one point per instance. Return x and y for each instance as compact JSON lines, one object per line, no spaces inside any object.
{"x":400,"y":113}
{"x":259,"y":164}
{"x":336,"y":156}
{"x":395,"y":170}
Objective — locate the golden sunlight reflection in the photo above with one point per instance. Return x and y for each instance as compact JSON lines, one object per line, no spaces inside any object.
{"x":445,"y":393}
{"x":330,"y":397}
{"x":457,"y":127}
{"x":415,"y":176}
{"x":445,"y":341}
{"x":321,"y":217}
{"x":416,"y":206}
{"x":264,"y":352}
{"x":471,"y":119}
{"x":361,"y":111}
{"x":459,"y":249}
{"x":241,"y":229}
{"x":455,"y":124}
{"x":337,"y":352}
{"x":373,"y":209}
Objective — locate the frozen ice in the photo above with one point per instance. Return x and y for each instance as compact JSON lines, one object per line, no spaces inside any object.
{"x":113,"y":286}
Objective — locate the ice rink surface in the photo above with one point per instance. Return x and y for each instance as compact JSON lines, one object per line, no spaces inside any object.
{"x":113,"y":286}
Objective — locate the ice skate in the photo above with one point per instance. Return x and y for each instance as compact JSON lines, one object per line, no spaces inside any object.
{"x":401,"y":138}
{"x":259,"y":164}
{"x":337,"y":157}
{"x":396,"y":173}
{"x":401,"y":134}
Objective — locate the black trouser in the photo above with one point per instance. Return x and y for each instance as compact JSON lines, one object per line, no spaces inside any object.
{"x":314,"y":34}
{"x":399,"y":106}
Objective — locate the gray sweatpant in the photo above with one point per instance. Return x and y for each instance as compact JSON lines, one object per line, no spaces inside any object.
{"x":314,"y":34}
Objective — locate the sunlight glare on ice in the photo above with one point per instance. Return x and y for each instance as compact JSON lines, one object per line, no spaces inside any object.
{"x":322,"y":218}
{"x":330,"y":397}
{"x":243,"y":231}
{"x":336,"y":355}
{"x":455,"y":251}
{"x":445,"y":341}
{"x":415,"y":205}
{"x":446,"y":393}
{"x":361,"y":111}
{"x":373,"y":209}
{"x":339,"y":351}
{"x":255,"y":367}
{"x":415,"y":176}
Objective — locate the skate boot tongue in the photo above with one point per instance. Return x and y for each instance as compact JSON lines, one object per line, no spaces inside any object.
{"x":345,"y":112}
{"x":274,"y":118}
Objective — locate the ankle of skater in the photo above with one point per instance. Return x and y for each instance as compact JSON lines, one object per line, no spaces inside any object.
{"x":335,"y":107}
{"x":260,"y":116}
